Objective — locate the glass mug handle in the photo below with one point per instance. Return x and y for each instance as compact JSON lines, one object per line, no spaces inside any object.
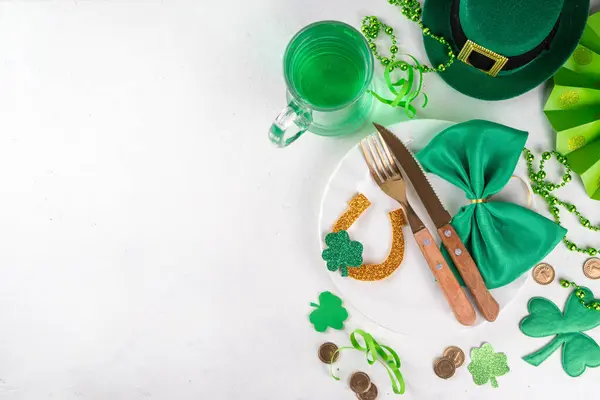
{"x":290,"y":124}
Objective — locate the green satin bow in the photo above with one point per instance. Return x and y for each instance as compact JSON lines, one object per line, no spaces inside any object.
{"x":504,"y":239}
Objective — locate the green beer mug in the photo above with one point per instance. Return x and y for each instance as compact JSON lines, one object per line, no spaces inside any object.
{"x":328,"y":69}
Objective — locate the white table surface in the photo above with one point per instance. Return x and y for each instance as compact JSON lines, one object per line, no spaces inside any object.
{"x":153,"y":245}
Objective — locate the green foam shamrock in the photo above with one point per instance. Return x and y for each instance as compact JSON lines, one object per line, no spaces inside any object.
{"x":342,"y":252}
{"x":578,"y":349}
{"x":330,"y":313}
{"x":486,"y":365}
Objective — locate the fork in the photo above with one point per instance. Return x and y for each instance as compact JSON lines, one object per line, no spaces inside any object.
{"x":387,"y":175}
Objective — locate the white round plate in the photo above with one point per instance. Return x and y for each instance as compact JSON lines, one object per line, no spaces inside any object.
{"x":409,"y":301}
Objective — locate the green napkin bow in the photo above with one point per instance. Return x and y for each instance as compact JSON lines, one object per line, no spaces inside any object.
{"x":504,"y":239}
{"x":573,"y":108}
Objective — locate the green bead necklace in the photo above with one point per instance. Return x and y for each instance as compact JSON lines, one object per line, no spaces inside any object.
{"x":544,"y":189}
{"x":580,"y":294}
{"x":411,"y":9}
{"x":371,"y":27}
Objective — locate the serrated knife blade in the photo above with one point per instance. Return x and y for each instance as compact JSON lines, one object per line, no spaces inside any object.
{"x":416,"y":175}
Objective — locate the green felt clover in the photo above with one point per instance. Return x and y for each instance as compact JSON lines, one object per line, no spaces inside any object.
{"x":342,"y":252}
{"x":486,"y":365}
{"x":329,"y":313}
{"x":579,"y":351}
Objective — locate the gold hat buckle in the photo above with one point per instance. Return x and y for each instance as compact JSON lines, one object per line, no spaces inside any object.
{"x":470,"y":47}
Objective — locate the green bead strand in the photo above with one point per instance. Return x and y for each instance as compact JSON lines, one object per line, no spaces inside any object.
{"x":580,"y":294}
{"x":411,"y":9}
{"x":371,"y":28}
{"x":543,"y":188}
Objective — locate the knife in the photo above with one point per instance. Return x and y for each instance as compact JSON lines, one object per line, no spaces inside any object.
{"x":465,"y":264}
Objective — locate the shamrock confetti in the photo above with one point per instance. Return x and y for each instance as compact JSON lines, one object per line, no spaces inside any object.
{"x":486,"y":365}
{"x":330,"y":313}
{"x":342,"y":252}
{"x":578,"y":349}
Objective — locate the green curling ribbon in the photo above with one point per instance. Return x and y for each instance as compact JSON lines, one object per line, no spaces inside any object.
{"x":405,"y":94}
{"x":375,"y":352}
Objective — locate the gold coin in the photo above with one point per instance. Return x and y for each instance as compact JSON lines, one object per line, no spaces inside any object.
{"x":370,"y":394}
{"x":326,"y":351}
{"x":543,"y":273}
{"x":360,"y":382}
{"x":591,"y":268}
{"x":456,"y":355}
{"x":444,"y":368}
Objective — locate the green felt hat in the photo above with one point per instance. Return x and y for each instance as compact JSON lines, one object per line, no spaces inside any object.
{"x":524,"y":41}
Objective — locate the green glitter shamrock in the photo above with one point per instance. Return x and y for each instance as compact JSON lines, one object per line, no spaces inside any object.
{"x":545,"y":319}
{"x":330,"y":313}
{"x":486,"y":365}
{"x":342,"y":252}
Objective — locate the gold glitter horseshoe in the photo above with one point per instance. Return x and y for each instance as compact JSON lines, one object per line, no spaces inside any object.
{"x":374,"y":272}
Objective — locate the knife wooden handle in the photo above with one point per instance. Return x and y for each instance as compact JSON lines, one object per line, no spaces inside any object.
{"x":469,"y":271}
{"x":455,"y":296}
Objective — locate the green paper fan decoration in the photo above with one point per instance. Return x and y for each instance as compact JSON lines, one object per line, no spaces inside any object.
{"x":573,"y":108}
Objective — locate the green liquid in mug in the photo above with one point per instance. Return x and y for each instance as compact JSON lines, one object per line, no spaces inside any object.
{"x":328,"y":70}
{"x":329,"y":80}
{"x":328,"y":65}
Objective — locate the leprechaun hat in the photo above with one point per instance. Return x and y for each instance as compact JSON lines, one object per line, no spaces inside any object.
{"x":506,"y":47}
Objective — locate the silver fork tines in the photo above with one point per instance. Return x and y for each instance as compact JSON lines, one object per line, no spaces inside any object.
{"x":379,"y":159}
{"x":386,"y":174}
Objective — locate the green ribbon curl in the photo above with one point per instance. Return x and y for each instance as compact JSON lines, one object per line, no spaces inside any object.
{"x":375,"y":352}
{"x":405,"y":94}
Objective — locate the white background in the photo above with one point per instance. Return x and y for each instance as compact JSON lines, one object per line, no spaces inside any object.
{"x":153,"y":245}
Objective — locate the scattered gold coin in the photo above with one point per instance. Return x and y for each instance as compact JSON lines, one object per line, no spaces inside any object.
{"x":543,"y":273}
{"x":370,"y":394}
{"x":456,"y":355}
{"x":360,"y":382}
{"x":591,"y":268}
{"x":444,"y":368}
{"x":326,"y":351}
